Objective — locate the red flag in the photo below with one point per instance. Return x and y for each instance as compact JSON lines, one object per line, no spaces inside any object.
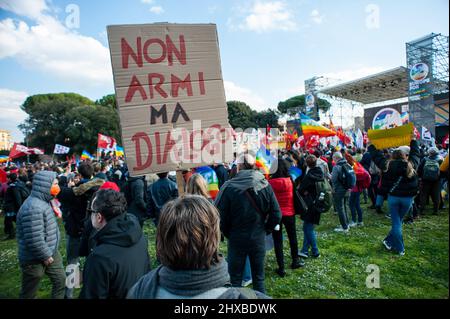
{"x":445,"y":141}
{"x":416,"y":133}
{"x":312,"y":142}
{"x":18,"y":150}
{"x":344,"y":138}
{"x":106,"y":142}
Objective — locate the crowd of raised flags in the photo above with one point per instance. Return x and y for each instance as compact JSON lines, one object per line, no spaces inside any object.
{"x":106,"y":144}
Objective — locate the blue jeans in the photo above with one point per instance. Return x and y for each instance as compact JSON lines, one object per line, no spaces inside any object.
{"x":398,"y":207}
{"x":340,"y":202}
{"x":355,"y":206}
{"x":379,"y":201}
{"x":309,"y":239}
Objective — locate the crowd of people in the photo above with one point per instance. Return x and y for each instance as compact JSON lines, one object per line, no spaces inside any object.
{"x":104,"y":210}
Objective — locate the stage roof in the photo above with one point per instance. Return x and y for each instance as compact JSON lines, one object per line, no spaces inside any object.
{"x":388,"y":85}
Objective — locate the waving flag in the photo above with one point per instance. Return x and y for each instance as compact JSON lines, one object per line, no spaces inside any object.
{"x":426,"y":134}
{"x":211,"y":179}
{"x":119,"y":151}
{"x":105,"y":142}
{"x":61,"y":149}
{"x":4,"y":158}
{"x":264,"y":160}
{"x":19,"y":150}
{"x":86,"y":155}
{"x":311,"y":127}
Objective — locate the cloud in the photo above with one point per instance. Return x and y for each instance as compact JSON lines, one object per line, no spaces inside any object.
{"x":267,"y":16}
{"x":316,"y":17}
{"x":157,"y":9}
{"x":10,"y":113}
{"x":234,"y":92}
{"x":147,"y":1}
{"x":51,"y":47}
{"x":28,"y":8}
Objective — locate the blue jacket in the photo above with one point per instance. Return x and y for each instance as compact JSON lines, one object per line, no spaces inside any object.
{"x":37,"y":229}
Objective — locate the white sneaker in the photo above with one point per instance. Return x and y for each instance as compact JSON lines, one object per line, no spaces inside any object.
{"x":303,"y":255}
{"x":360,"y":224}
{"x":247,"y":283}
{"x":386,"y":245}
{"x":352,"y":224}
{"x":402,"y":253}
{"x":341,"y":230}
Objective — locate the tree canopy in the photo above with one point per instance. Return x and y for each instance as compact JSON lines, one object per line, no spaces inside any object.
{"x":299,"y":100}
{"x":69,"y":119}
{"x":242,"y":116}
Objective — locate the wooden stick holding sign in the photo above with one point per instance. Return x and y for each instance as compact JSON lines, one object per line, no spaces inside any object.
{"x":180,"y":183}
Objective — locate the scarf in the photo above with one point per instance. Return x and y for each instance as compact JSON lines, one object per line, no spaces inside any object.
{"x":181,"y":282}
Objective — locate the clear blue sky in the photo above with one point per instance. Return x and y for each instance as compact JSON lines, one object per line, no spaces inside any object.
{"x":268,"y":48}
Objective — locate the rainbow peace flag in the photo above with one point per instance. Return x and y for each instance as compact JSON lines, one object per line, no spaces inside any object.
{"x":311,"y":127}
{"x":4,"y":158}
{"x":86,"y":155}
{"x":119,"y":151}
{"x":211,"y":179}
{"x":264,"y":160}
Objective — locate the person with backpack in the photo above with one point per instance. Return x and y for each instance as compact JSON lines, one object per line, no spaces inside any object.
{"x":191,"y":265}
{"x":135,"y":191}
{"x":158,"y":194}
{"x":343,"y":179}
{"x":248,"y":211}
{"x":400,"y":181}
{"x":314,"y":188}
{"x":363,"y":182}
{"x":429,"y":172}
{"x":15,"y":195}
{"x":283,"y":187}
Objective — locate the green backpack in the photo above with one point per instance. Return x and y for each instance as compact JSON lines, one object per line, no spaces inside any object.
{"x":324,"y":197}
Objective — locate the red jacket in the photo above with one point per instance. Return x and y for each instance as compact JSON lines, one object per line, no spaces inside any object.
{"x":284,"y":192}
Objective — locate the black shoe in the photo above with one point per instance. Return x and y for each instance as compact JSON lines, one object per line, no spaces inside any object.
{"x":316,"y":256}
{"x":281,"y":272}
{"x":379,"y":210}
{"x":297,"y":263}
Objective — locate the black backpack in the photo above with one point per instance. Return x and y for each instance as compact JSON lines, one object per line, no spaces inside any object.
{"x":431,"y":171}
{"x":347,"y":176}
{"x":24,"y":192}
{"x":126,"y":189}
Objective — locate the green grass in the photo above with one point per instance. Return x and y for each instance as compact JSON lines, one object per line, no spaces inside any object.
{"x":340,"y":272}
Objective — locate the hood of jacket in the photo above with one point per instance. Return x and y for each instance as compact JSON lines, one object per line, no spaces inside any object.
{"x":42,"y":182}
{"x":316,"y":174}
{"x":123,"y":230}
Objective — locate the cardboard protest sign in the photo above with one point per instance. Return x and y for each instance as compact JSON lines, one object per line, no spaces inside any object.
{"x":170,"y":94}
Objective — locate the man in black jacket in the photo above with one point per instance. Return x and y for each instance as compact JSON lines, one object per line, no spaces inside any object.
{"x":120,"y":255}
{"x":15,"y":195}
{"x":135,"y":194}
{"x":74,"y":201}
{"x":221,"y":172}
{"x":245,"y":203}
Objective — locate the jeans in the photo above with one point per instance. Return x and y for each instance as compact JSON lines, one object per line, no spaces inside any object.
{"x":340,"y":202}
{"x":33,"y":273}
{"x":398,"y":207}
{"x":73,"y":257}
{"x":379,"y":201}
{"x":10,"y":217}
{"x":355,"y":206}
{"x":237,"y":255}
{"x":309,"y":239}
{"x":289,"y":223}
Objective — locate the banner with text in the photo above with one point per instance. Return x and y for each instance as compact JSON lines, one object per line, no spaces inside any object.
{"x":171,"y":98}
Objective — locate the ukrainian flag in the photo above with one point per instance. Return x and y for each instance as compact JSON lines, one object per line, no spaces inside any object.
{"x":119,"y":151}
